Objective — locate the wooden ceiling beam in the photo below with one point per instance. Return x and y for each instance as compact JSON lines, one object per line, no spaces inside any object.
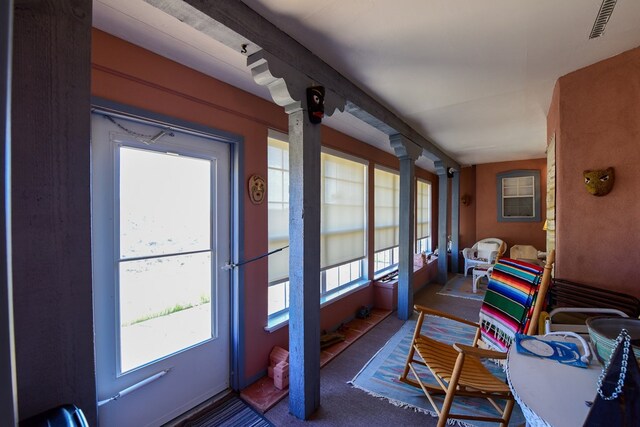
{"x":236,"y":25}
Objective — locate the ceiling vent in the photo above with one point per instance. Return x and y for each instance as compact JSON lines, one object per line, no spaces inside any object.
{"x":606,"y":9}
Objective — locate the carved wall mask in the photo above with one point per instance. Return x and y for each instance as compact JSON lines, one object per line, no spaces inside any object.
{"x":257,"y":188}
{"x":315,"y":103}
{"x":599,"y":182}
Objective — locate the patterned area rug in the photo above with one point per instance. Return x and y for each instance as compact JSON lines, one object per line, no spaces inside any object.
{"x":462,"y":287}
{"x":232,"y":412}
{"x":379,"y":377}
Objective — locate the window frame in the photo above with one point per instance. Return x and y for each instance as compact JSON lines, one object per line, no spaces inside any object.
{"x":520,"y":173}
{"x":394,"y":256}
{"x":327,"y":294}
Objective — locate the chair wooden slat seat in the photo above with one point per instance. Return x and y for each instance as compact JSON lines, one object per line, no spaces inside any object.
{"x":441,"y":358}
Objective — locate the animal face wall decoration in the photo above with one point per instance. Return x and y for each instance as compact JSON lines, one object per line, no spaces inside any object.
{"x":599,"y":182}
{"x":315,"y":103}
{"x":257,"y":188}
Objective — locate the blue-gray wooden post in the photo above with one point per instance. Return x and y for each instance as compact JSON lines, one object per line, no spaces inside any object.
{"x":8,"y":393}
{"x":304,"y":265}
{"x":408,"y":153}
{"x":288,"y":89}
{"x":455,"y":222}
{"x":443,"y":187}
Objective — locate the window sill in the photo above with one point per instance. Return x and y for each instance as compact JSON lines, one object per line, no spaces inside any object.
{"x":282,"y":320}
{"x":379,"y":274}
{"x":277,"y":322}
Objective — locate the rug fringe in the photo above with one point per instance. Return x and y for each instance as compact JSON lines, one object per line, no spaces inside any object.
{"x":394,"y":402}
{"x":403,"y":405}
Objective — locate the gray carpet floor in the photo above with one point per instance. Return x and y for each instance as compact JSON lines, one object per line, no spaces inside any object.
{"x":343,"y":405}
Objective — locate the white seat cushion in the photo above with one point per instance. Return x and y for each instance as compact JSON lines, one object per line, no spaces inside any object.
{"x":485,"y":249}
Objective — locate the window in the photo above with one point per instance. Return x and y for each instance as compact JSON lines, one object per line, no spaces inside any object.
{"x":423,"y":216}
{"x":343,"y":210}
{"x":386,"y":258}
{"x":342,"y":222}
{"x":278,"y":227}
{"x":518,"y":196}
{"x":387,"y":221}
{"x":278,"y":208}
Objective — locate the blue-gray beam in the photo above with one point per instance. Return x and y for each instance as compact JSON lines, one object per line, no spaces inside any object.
{"x":443,"y":202}
{"x":238,"y":26}
{"x":408,"y":153}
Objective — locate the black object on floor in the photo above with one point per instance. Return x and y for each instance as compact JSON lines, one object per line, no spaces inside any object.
{"x":61,"y":416}
{"x":232,"y":412}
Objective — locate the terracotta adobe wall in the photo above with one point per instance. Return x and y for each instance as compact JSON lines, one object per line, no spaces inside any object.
{"x":133,"y":76}
{"x":595,"y":115}
{"x":487,"y":225}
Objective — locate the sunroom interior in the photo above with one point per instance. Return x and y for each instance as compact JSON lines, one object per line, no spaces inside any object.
{"x":422,"y":129}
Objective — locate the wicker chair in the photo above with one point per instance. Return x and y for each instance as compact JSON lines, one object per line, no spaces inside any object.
{"x":483,"y":252}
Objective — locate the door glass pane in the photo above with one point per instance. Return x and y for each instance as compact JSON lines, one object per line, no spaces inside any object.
{"x":165,"y":306}
{"x":165,"y":203}
{"x":164,"y":295}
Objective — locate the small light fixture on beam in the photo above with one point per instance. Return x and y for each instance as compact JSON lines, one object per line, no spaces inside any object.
{"x":450,"y":172}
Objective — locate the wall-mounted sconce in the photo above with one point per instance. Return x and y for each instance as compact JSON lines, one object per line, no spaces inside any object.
{"x":465,"y":199}
{"x":450,"y":172}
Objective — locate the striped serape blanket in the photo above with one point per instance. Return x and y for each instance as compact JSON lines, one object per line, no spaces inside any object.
{"x":508,"y":302}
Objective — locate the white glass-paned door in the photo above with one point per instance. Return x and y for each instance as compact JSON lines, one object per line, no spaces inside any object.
{"x":161,"y":233}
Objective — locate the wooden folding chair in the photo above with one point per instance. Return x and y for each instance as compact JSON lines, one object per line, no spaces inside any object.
{"x":514,"y":297}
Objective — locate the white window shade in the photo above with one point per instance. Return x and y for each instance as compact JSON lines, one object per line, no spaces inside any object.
{"x":278,"y":200}
{"x":343,"y":211}
{"x":342,"y":215}
{"x":387,"y":202}
{"x":423,"y":210}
